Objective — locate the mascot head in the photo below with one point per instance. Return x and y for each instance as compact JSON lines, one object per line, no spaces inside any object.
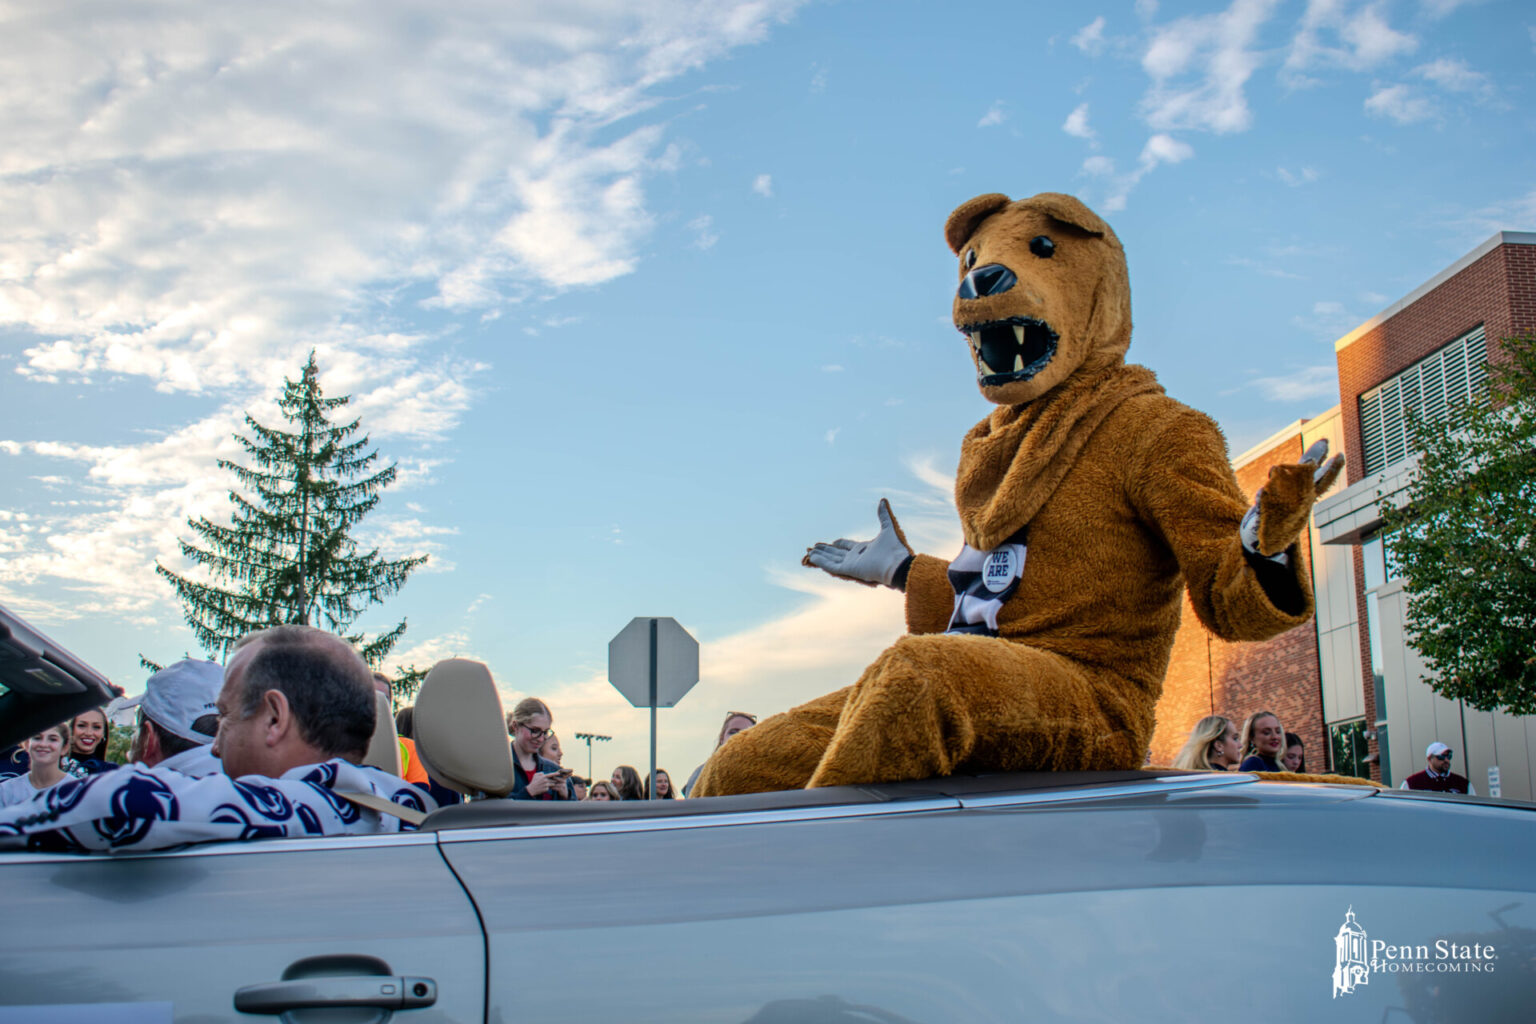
{"x":1043,"y":292}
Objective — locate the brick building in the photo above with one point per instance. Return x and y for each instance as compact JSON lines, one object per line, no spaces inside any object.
{"x":1349,"y":684}
{"x":1209,"y":676}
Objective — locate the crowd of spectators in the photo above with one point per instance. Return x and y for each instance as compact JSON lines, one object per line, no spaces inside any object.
{"x":177,"y":720}
{"x":283,"y":730}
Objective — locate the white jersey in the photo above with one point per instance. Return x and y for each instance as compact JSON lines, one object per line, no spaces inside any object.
{"x":19,"y":789}
{"x":138,"y":808}
{"x":197,"y":762}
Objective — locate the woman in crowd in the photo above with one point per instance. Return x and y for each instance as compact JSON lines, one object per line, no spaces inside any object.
{"x":1213,"y":746}
{"x":46,"y":750}
{"x":552,"y":751}
{"x":735,"y":722}
{"x":90,"y":736}
{"x":1263,"y":739}
{"x":663,"y":786}
{"x":1295,"y":759}
{"x":537,"y":777}
{"x":627,"y":781}
{"x":602,"y":789}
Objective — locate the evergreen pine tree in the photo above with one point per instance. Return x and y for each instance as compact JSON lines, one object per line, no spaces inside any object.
{"x":287,"y":555}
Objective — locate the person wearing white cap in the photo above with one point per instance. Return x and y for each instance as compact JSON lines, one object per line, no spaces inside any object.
{"x":178,"y":717}
{"x":295,"y":714}
{"x":1437,"y":776}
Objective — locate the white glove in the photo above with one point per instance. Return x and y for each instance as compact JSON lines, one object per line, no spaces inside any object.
{"x":1316,"y":456}
{"x":866,"y":561}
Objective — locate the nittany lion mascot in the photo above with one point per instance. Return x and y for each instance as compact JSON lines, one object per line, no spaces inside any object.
{"x":1089,"y":501}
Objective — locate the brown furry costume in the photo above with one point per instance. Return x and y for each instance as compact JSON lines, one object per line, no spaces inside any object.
{"x":1120,"y":496}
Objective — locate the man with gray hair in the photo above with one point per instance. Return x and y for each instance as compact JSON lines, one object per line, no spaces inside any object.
{"x":295,"y":713}
{"x":178,"y":716}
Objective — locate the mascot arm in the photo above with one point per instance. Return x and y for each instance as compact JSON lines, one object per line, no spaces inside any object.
{"x":1185,"y":486}
{"x":930,"y":596}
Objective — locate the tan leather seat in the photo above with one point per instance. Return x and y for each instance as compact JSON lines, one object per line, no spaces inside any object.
{"x":461,"y":730}
{"x":384,"y":745}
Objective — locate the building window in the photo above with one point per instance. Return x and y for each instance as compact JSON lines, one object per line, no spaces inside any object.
{"x":1429,"y":389}
{"x":1347,"y":748}
{"x":1380,"y":567}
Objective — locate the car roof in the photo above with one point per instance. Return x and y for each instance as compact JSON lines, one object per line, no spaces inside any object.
{"x":41,"y":682}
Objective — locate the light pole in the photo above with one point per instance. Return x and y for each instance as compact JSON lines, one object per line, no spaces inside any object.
{"x":589,"y":737}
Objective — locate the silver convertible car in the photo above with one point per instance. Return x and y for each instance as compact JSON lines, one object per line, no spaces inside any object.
{"x":1131,"y":896}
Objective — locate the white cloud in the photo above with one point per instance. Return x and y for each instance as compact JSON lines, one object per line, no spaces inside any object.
{"x":1090,"y":38}
{"x":1306,"y":384}
{"x":995,"y":115}
{"x":1517,"y":214}
{"x":704,"y":234}
{"x":832,"y":368}
{"x":1400,"y":104}
{"x":1146,"y":9}
{"x":763,"y":185}
{"x":1199,"y":67}
{"x":1328,"y":320}
{"x":1076,"y":124}
{"x":184,"y":195}
{"x":1332,"y":34}
{"x":1165,"y":149}
{"x":831,"y":435}
{"x":1099,"y":166}
{"x":1456,"y":76}
{"x":1440,"y":8}
{"x":105,"y":552}
{"x":197,"y":202}
{"x":431,"y":650}
{"x":1305,"y":176}
{"x":1159,"y":149}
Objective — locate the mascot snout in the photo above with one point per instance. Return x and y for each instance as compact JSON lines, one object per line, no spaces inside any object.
{"x":1043,"y":292}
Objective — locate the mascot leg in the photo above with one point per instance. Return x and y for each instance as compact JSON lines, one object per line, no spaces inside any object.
{"x":779,"y":753}
{"x":934,"y":704}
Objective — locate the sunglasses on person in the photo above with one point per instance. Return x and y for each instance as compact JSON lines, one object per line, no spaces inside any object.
{"x":1441,"y":757}
{"x":741,"y":714}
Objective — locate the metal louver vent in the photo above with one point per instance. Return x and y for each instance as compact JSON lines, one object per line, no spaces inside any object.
{"x":1432,"y":387}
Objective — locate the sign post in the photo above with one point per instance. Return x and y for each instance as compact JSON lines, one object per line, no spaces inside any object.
{"x":653,"y":662}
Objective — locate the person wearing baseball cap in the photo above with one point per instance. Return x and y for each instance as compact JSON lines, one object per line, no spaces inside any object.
{"x":178,"y":717}
{"x":1437,"y":776}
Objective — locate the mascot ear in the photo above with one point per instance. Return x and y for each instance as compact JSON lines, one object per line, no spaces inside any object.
{"x":1067,"y":209}
{"x":962,"y":223}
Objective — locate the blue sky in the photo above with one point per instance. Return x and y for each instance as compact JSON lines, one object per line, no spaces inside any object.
{"x":644,"y":298}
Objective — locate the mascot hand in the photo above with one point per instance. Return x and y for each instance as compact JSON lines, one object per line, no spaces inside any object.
{"x":1281,"y":507}
{"x":865,"y":561}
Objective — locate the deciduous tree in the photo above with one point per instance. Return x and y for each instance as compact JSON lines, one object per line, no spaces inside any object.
{"x":1464,"y":541}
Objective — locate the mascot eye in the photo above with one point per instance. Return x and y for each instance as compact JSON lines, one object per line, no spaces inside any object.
{"x":1042,"y":247}
{"x":970,"y":258}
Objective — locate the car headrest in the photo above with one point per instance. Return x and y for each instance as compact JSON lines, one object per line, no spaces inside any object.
{"x":384,"y":745}
{"x":461,"y":730}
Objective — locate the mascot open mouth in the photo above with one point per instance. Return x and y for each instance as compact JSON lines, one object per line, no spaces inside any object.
{"x":1010,"y":350}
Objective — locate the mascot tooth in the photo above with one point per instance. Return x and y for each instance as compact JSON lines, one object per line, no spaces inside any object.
{"x":1089,"y":502}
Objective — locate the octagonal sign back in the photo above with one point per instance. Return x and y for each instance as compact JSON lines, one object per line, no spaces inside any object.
{"x":677,"y":661}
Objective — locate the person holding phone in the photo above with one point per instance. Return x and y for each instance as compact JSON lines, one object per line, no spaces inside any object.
{"x":537,"y":777}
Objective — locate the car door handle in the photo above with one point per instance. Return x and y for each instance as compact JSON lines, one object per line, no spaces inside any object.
{"x":383,"y":992}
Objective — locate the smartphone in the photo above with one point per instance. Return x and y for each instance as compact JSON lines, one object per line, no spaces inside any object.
{"x":563,"y":773}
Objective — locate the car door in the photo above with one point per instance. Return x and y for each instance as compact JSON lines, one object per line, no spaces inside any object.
{"x":1166,"y":900}
{"x":324,"y":928}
